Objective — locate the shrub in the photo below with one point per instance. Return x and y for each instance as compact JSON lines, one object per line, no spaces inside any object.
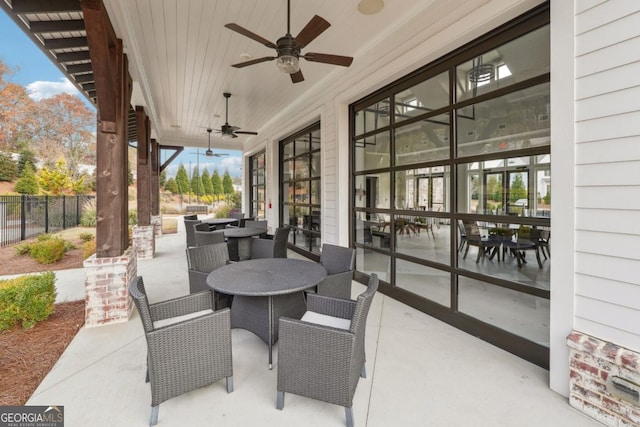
{"x":89,"y":248}
{"x":223,"y":211}
{"x":87,"y":237}
{"x":133,"y":217}
{"x":26,"y":299}
{"x":89,"y":216}
{"x":48,"y":251}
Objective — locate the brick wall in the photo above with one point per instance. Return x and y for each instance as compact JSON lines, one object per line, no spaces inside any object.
{"x":107,"y":281}
{"x":156,"y":221}
{"x":144,"y":241}
{"x":594,"y":364}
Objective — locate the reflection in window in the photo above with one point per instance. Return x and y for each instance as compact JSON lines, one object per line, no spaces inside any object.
{"x":257,"y":185}
{"x":300,"y":198}
{"x":423,"y":141}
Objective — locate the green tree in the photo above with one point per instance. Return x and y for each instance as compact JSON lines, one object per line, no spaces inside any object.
{"x":171,"y":185}
{"x":206,"y":183}
{"x":28,"y":183}
{"x":182,"y":179}
{"x":163,"y":178}
{"x":216,"y":185}
{"x":129,"y":174}
{"x":26,"y":156}
{"x":8,"y":168}
{"x":517,"y":189}
{"x":227,"y":184}
{"x":196,"y":182}
{"x":56,"y":180}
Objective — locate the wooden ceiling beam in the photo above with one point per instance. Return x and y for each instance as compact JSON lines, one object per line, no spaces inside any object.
{"x":79,"y":68}
{"x":103,"y":48}
{"x":45,"y":6}
{"x":84,"y":78}
{"x":56,"y":26}
{"x":65,"y":43}
{"x":81,"y":55}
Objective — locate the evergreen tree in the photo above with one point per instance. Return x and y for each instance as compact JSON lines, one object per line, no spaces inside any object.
{"x":206,"y":183}
{"x":171,"y":185}
{"x":216,"y":185}
{"x":517,"y":189}
{"x":26,"y":156}
{"x":196,"y":183}
{"x":28,"y":183}
{"x":227,"y":184}
{"x":56,"y":180}
{"x":8,"y":168}
{"x":163,"y":178}
{"x":182,"y":179}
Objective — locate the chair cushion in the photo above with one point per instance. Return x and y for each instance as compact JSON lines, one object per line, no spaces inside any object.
{"x":323,"y":319}
{"x":172,"y":320}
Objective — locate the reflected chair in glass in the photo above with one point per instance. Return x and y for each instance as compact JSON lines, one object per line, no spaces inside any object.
{"x":463,"y":235}
{"x":484,"y":243}
{"x":202,"y":260}
{"x":322,"y":355}
{"x":188,"y":344}
{"x":271,"y":248}
{"x":339,"y":262}
{"x":190,"y":231}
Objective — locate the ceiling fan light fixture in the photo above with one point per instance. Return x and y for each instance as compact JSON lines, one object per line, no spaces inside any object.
{"x":370,"y":7}
{"x":288,"y":64}
{"x":225,"y":135}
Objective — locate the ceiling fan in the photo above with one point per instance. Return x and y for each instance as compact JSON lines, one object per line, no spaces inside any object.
{"x":209,"y":152}
{"x":288,"y":47}
{"x":227,"y":131}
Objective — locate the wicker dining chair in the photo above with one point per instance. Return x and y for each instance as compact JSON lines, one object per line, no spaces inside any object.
{"x":271,"y":248}
{"x":340,"y":263}
{"x":202,"y":260}
{"x":190,"y":230}
{"x":204,"y":238}
{"x":322,"y":355}
{"x":188,"y":344}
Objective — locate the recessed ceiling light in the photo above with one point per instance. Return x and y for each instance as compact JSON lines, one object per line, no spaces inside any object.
{"x":370,"y":7}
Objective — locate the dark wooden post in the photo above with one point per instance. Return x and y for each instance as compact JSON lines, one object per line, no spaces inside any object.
{"x":143,"y":168}
{"x":155,"y":177}
{"x":113,"y":91}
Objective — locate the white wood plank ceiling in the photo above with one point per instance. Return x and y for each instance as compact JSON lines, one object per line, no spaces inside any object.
{"x":181,"y":55}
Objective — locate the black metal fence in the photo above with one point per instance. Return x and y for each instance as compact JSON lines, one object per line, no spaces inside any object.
{"x":23,"y":217}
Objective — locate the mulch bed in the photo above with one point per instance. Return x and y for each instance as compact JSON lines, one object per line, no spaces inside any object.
{"x":27,"y":355}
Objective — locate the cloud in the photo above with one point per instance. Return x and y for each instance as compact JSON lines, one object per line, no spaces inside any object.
{"x":42,"y":89}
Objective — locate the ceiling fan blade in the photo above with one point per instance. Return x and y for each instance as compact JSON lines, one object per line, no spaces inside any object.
{"x":313,"y":29}
{"x":243,"y":132}
{"x":297,"y":77}
{"x":238,"y":29}
{"x":344,"y":61}
{"x":253,"y":61}
{"x":233,"y":128}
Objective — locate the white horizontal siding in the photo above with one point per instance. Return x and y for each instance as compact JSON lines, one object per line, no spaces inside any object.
{"x":608,"y":221}
{"x":609,"y":244}
{"x":609,"y":104}
{"x":621,"y":174}
{"x":611,"y":80}
{"x":610,"y":150}
{"x":619,"y":293}
{"x":607,"y":171}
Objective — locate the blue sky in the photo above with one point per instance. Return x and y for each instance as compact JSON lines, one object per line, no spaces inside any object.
{"x":33,"y":70}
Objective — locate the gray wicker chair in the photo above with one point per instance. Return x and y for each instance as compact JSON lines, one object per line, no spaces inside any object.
{"x":322,"y":355}
{"x":194,"y":216}
{"x":340,"y":263}
{"x":188,"y":226}
{"x":204,"y":238}
{"x":203,"y":226}
{"x":171,"y":369}
{"x":271,"y":248}
{"x":202,"y":260}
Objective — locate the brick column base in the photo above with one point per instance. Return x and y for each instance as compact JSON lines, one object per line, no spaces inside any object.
{"x":596,"y":367}
{"x":144,"y":241}
{"x":156,"y":221}
{"x":106,"y":288}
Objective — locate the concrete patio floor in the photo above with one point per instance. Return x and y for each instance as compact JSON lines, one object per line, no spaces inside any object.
{"x":421,"y":372}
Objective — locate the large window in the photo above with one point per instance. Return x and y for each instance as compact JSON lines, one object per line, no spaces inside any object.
{"x":451,"y":187}
{"x":258,"y":178}
{"x":300,"y":183}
